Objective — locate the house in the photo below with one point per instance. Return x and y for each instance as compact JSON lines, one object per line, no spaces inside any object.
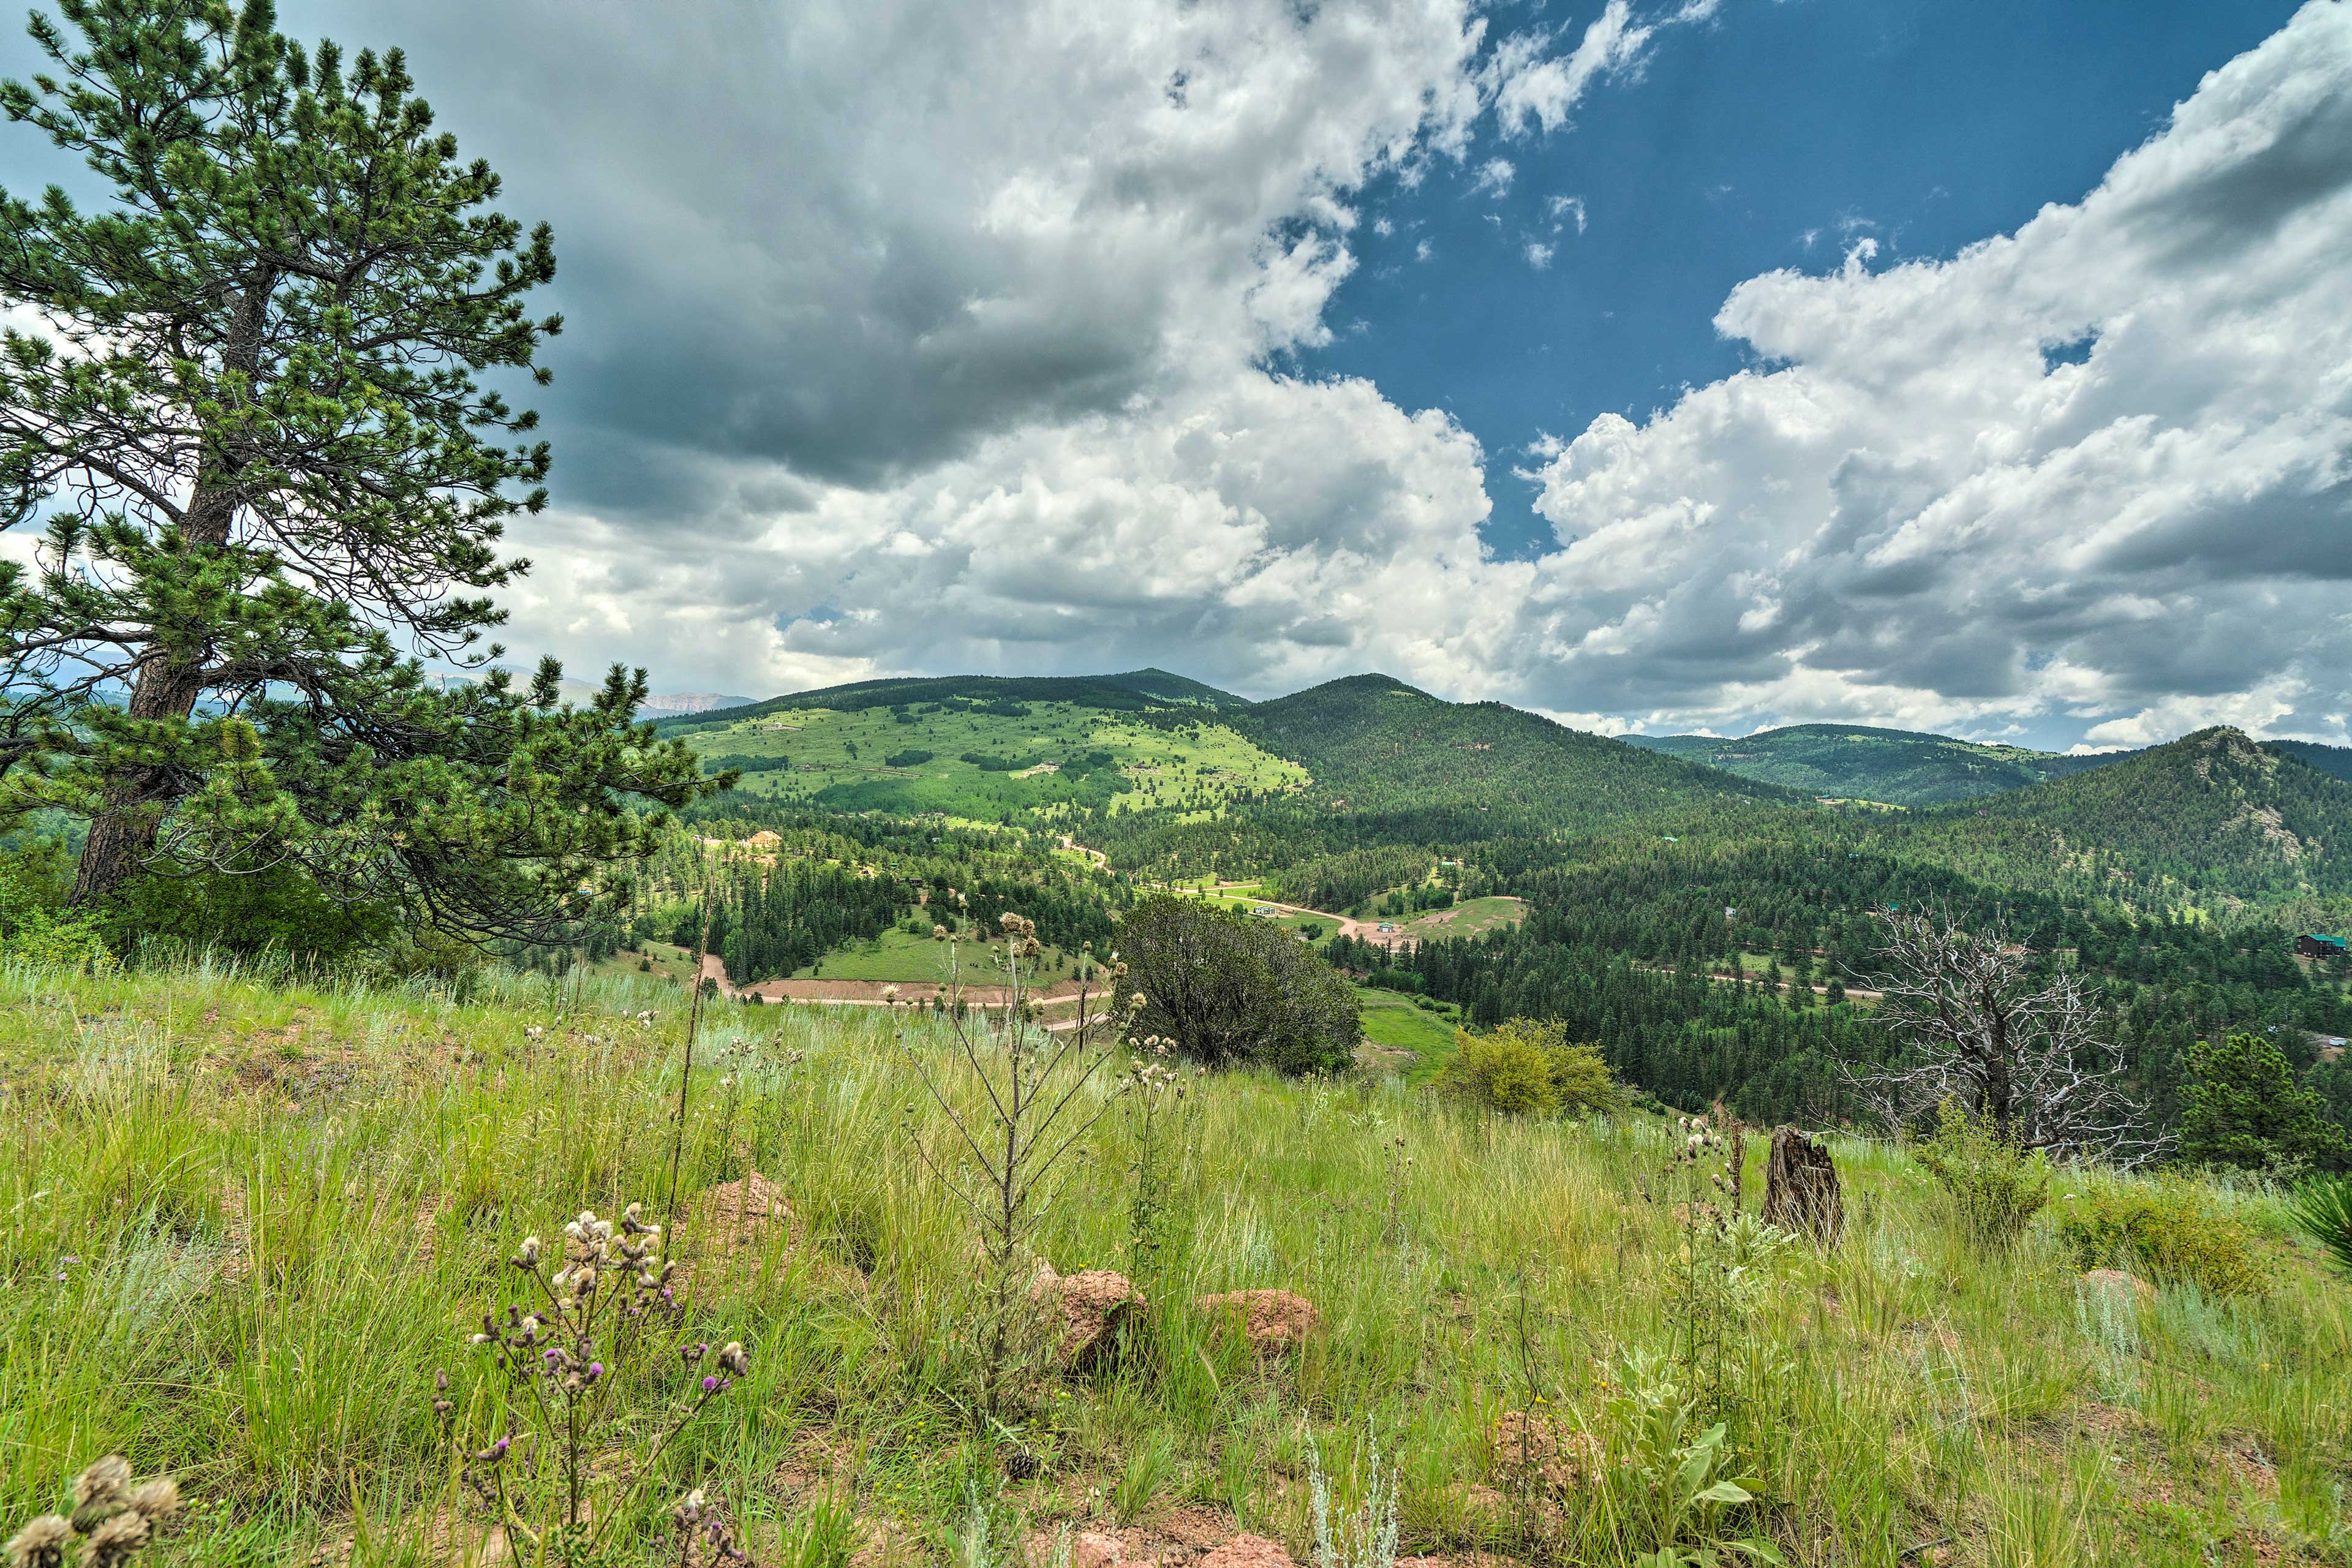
{"x":765,"y":839}
{"x":1267,"y":911}
{"x":2310,"y":944}
{"x":1386,"y":926}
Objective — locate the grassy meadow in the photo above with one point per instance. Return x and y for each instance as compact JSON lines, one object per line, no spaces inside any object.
{"x":841,"y":759}
{"x":245,"y":1219}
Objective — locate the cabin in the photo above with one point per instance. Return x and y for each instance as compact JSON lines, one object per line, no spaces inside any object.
{"x":764,"y":840}
{"x":2310,"y":944}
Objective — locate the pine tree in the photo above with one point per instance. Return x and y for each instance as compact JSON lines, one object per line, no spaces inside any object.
{"x":2245,"y":1106}
{"x":273,"y":483}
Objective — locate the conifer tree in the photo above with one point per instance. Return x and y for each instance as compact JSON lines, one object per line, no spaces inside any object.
{"x":253,"y":423}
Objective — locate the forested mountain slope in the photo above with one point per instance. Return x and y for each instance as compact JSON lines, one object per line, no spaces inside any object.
{"x":1132,"y":692}
{"x":1378,"y":747}
{"x":2212,"y":815}
{"x":1899,"y":767}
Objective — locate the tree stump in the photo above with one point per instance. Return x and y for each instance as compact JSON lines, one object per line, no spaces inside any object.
{"x":1800,"y":1188}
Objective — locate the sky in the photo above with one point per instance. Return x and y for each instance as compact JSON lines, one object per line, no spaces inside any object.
{"x":1975,"y":365}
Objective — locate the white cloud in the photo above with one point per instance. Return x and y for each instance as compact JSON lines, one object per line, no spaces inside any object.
{"x":1916,"y":516}
{"x":1564,"y":210}
{"x":1535,"y":87}
{"x":1494,"y":177}
{"x":930,"y":374}
{"x":1539,"y":255}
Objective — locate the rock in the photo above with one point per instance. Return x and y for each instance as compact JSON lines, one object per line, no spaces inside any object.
{"x":742,"y":1215}
{"x":1095,"y":1303}
{"x":1248,"y":1552}
{"x":1543,"y":1449}
{"x":2101,"y":1281}
{"x":1093,"y":1549}
{"x":1275,"y":1321}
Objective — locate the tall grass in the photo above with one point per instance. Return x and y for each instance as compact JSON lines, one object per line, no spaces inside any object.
{"x":245,"y":1215}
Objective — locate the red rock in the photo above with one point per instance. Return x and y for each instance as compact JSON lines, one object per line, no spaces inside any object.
{"x":1248,"y":1552}
{"x":1275,"y":1321}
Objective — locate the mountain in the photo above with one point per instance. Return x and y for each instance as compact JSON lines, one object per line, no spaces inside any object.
{"x":1854,"y":762}
{"x":1377,"y":746}
{"x":2336,"y":760}
{"x":2212,"y":814}
{"x":993,"y":749}
{"x":664,"y":705}
{"x":1133,"y":692}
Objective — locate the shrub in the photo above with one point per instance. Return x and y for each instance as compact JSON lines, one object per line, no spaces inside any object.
{"x":913,"y":757}
{"x":1995,"y":1187}
{"x":1234,"y":991}
{"x":1528,"y":1068}
{"x":2168,"y":1229}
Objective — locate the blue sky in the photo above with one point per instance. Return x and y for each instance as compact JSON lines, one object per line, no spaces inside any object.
{"x":920,"y":337}
{"x":1771,"y":136}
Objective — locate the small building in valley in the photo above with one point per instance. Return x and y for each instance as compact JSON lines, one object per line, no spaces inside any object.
{"x":2310,"y":944}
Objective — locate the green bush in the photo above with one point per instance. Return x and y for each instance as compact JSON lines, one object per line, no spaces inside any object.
{"x":2168,"y":1229}
{"x":1528,"y":1068}
{"x":1995,"y":1187}
{"x":1231,"y":990}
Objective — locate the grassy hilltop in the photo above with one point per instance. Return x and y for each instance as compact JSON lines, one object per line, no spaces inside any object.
{"x":244,"y":1223}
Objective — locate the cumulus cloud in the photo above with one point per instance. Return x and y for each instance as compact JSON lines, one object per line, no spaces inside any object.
{"x":886,"y":358}
{"x":1539,"y":255}
{"x":1927,"y":504}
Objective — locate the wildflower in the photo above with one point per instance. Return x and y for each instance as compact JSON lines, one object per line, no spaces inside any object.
{"x":42,"y":1543}
{"x":734,"y":1359}
{"x":527,"y":1256}
{"x":689,"y":1509}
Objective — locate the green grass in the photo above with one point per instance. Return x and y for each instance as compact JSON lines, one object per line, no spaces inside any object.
{"x":242,"y":1221}
{"x":1472,"y":917}
{"x":839,"y":760}
{"x":1393,"y":1022}
{"x":902,"y":958}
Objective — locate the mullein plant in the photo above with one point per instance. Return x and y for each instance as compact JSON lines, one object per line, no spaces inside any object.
{"x":605,"y":1310}
{"x":114,"y":1519}
{"x":1002,"y":1158}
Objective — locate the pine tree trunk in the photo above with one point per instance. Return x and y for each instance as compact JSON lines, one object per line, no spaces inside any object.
{"x":1800,"y":1188}
{"x":122,"y":834}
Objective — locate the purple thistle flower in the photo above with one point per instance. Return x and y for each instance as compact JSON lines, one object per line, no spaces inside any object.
{"x":711,"y":1385}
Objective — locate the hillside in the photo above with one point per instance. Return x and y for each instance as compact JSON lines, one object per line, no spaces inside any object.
{"x":1378,"y":747}
{"x":1855,"y":762}
{"x":2336,"y":760}
{"x":2211,"y":813}
{"x":994,"y":750}
{"x":1132,"y":692}
{"x":246,"y":1225}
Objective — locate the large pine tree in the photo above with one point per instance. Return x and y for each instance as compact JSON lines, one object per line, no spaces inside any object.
{"x":253,"y":419}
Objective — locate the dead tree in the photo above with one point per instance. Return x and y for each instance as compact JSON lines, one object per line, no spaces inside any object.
{"x":1800,"y":1188}
{"x":1974,"y":1025}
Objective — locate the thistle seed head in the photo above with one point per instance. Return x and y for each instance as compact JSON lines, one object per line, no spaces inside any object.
{"x":41,"y":1544}
{"x":103,"y":1482}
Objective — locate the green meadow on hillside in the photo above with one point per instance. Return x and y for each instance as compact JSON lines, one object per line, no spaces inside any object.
{"x":246,"y":1223}
{"x":987,"y":761}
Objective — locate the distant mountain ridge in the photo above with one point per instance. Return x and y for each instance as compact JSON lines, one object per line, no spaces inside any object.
{"x":1132,"y":692}
{"x":2212,"y":813}
{"x":1857,"y":762}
